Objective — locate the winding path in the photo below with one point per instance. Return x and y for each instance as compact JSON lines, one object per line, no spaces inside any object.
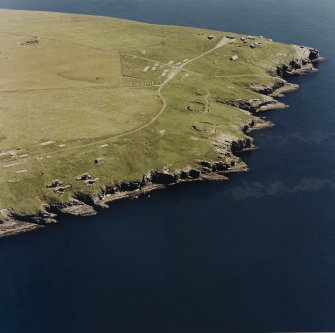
{"x":172,"y":74}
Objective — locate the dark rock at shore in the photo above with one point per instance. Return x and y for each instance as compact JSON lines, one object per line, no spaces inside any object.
{"x":212,"y":167}
{"x":314,"y":54}
{"x":128,"y":186}
{"x":239,"y":145}
{"x":163,"y":177}
{"x":190,"y":174}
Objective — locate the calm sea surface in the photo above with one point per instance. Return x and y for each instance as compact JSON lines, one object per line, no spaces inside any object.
{"x":254,"y":254}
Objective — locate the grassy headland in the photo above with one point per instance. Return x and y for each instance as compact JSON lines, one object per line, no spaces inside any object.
{"x":115,"y":99}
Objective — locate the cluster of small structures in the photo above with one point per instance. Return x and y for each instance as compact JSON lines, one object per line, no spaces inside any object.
{"x":58,"y":187}
{"x":153,"y":68}
{"x":13,"y":158}
{"x":163,"y":66}
{"x":87,"y":179}
{"x":10,"y":153}
{"x":251,"y":38}
{"x":232,"y":39}
{"x":32,"y":42}
{"x":229,"y":40}
{"x":255,"y":45}
{"x":212,"y":37}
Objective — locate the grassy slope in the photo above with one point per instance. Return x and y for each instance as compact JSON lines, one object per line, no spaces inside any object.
{"x":83,"y":85}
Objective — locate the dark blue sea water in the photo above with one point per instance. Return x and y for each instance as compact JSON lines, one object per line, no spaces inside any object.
{"x":255,"y":254}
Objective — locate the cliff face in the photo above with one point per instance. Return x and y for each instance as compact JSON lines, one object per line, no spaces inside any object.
{"x":302,"y":63}
{"x":226,"y":147}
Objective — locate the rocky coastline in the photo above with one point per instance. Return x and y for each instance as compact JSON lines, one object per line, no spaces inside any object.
{"x":12,"y":223}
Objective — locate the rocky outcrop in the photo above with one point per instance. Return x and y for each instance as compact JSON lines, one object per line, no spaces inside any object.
{"x":78,"y":208}
{"x":41,"y":217}
{"x":277,"y":89}
{"x":212,"y":167}
{"x":302,"y":63}
{"x":10,"y":226}
{"x":164,"y":177}
{"x":254,"y":105}
{"x":190,"y":173}
{"x":74,"y":207}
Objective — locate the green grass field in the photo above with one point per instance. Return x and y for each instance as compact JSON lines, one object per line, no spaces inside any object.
{"x":74,"y":88}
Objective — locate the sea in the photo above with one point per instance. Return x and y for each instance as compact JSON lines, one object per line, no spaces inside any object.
{"x":254,"y":254}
